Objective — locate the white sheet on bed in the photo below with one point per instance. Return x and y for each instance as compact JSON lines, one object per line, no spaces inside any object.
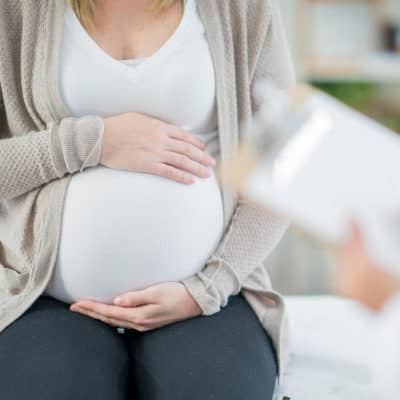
{"x":331,"y":340}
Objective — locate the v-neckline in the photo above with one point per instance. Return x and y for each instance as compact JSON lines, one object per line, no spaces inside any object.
{"x":94,"y":47}
{"x":51,"y":58}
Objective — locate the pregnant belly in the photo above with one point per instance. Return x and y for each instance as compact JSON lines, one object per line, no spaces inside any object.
{"x":124,"y":231}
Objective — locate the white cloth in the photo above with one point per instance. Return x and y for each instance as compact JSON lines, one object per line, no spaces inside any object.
{"x":331,"y":338}
{"x":385,"y":354}
{"x":143,"y":229}
{"x":342,"y":351}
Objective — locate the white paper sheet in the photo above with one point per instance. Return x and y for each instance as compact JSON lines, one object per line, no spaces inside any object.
{"x":340,"y":164}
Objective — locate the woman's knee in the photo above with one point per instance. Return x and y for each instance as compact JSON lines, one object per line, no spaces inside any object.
{"x":224,"y":356}
{"x":51,"y":352}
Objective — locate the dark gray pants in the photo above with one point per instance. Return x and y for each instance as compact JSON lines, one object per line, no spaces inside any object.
{"x":53,"y":353}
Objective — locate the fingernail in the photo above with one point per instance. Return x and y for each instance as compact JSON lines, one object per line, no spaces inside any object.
{"x":117,"y":300}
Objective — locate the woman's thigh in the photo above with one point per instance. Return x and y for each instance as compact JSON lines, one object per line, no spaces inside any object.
{"x":52,"y":353}
{"x":224,"y":356}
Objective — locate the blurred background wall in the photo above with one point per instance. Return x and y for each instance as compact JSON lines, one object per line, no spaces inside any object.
{"x":350,"y":49}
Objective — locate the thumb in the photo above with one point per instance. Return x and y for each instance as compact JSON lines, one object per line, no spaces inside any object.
{"x":356,"y":234}
{"x":134,"y":298}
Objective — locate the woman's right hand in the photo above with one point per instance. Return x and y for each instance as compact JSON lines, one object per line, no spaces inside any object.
{"x":136,"y":142}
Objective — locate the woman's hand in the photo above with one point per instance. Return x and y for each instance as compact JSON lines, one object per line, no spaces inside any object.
{"x":359,"y":278}
{"x":136,"y":142}
{"x":144,"y":310}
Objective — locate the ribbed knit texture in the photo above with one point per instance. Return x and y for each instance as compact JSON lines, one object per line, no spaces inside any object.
{"x":41,"y":145}
{"x":36,"y":158}
{"x":229,"y":267}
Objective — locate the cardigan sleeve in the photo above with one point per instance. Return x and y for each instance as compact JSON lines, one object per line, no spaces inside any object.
{"x":30,"y":160}
{"x":274,"y":61}
{"x":253,"y":232}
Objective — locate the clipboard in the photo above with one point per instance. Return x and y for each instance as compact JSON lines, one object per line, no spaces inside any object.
{"x":319,"y":163}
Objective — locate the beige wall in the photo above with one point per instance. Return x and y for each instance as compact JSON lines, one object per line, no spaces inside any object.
{"x":394,"y":9}
{"x":288,"y":12}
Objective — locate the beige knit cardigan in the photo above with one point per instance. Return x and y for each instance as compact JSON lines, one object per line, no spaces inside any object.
{"x":42,"y":145}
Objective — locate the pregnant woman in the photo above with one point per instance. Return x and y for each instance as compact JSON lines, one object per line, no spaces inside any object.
{"x":126,"y":270}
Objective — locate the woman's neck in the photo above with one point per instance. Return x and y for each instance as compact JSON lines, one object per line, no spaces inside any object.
{"x":128,"y":14}
{"x":131,"y":29}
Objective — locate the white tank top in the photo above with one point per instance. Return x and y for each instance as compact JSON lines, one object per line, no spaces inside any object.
{"x":124,"y":230}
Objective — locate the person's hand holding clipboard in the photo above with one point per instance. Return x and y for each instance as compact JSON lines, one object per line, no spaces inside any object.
{"x":322,"y":164}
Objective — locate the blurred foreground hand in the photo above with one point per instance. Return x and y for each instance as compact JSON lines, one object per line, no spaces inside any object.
{"x":359,"y":278}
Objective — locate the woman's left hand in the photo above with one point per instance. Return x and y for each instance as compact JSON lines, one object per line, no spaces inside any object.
{"x":144,"y":310}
